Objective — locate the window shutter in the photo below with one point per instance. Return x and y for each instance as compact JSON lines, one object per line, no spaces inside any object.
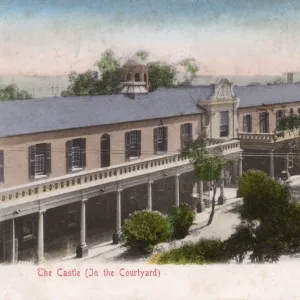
{"x":250,"y":123}
{"x":69,"y":155}
{"x":267,"y":122}
{"x":31,"y":161}
{"x":182,"y":136}
{"x":127,"y":144}
{"x":1,"y":166}
{"x":48,"y":159}
{"x":260,"y":123}
{"x":155,"y":140}
{"x":190,"y":126}
{"x":245,"y":129}
{"x":83,"y":152}
{"x":166,"y":138}
{"x":139,"y":142}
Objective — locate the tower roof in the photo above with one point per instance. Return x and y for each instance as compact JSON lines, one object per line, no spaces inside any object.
{"x":133,"y":61}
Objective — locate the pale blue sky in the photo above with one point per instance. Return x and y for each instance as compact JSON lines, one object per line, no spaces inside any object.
{"x":225,"y":36}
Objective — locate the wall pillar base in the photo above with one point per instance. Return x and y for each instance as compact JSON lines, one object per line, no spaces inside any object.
{"x":82,"y":251}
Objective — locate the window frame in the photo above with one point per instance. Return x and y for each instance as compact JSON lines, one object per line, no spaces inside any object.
{"x":222,"y":124}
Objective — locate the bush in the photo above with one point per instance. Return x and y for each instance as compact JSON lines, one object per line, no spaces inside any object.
{"x":181,"y":219}
{"x":144,"y":229}
{"x":262,"y":196}
{"x":203,"y":252}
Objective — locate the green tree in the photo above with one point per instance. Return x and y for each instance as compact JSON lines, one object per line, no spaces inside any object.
{"x":142,"y":54}
{"x":12,"y":92}
{"x":208,"y":165}
{"x":191,"y":70}
{"x":161,"y":75}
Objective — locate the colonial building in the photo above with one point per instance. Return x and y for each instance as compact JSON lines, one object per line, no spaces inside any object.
{"x":72,"y":169}
{"x":261,"y":108}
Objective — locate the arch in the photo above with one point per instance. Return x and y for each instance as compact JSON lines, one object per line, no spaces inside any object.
{"x":128,"y":77}
{"x":137,"y":77}
{"x":105,"y":150}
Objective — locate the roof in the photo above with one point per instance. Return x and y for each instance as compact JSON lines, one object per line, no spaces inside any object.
{"x":133,"y":61}
{"x":134,"y":88}
{"x":267,"y":94}
{"x":19,"y":117}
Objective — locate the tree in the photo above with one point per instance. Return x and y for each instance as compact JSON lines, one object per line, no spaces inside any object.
{"x":12,"y":92}
{"x":142,"y":54}
{"x":161,"y":75}
{"x":277,"y":80}
{"x":208,"y":165}
{"x":108,"y":62}
{"x":191,"y":70}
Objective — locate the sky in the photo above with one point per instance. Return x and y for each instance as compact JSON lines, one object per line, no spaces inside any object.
{"x":226,"y":37}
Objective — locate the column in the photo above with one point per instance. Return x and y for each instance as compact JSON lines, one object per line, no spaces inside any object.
{"x":82,"y":249}
{"x":241,"y":165}
{"x":272,"y":163}
{"x":235,"y":173}
{"x":13,"y":241}
{"x":221,"y":199}
{"x":150,"y":195}
{"x":240,"y":172}
{"x":201,"y":206}
{"x":117,"y":233}
{"x":177,"y":199}
{"x":41,"y":237}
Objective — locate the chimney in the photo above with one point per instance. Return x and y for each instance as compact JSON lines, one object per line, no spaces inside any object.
{"x":290,"y":78}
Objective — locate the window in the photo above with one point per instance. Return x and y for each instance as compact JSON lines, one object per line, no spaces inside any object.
{"x":133,"y":144}
{"x":76,"y":154}
{"x":39,"y":160}
{"x":137,"y":77}
{"x":264,"y":122}
{"x":160,"y":136}
{"x":279,"y":116}
{"x":28,"y":228}
{"x":72,"y":218}
{"x":224,"y":124}
{"x":145,"y":77}
{"x":186,"y":133}
{"x":128,"y":77}
{"x":247,"y":123}
{"x":1,"y":166}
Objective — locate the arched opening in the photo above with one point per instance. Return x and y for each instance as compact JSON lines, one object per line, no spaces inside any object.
{"x":128,"y":77}
{"x":137,"y":77}
{"x":145,"y":77}
{"x":105,"y":150}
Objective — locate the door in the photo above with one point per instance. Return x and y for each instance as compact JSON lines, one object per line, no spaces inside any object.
{"x":105,"y":151}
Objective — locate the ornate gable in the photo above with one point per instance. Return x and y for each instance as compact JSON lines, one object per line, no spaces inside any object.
{"x":223,"y":90}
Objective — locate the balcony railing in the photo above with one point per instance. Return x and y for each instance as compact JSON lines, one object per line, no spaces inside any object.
{"x":268,"y":137}
{"x":87,"y":179}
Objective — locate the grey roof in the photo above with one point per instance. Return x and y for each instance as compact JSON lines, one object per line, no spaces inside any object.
{"x":267,"y":94}
{"x":50,"y":114}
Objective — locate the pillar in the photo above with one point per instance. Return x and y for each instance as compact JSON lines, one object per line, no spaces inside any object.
{"x":13,"y":242}
{"x":177,"y":195}
{"x":272,"y":163}
{"x":150,"y":195}
{"x":117,"y":233}
{"x":201,"y":206}
{"x":82,"y":249}
{"x":222,"y":199}
{"x":240,"y":172}
{"x":235,"y":173}
{"x":41,"y":237}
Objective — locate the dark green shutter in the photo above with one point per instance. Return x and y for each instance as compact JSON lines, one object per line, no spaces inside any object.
{"x":69,"y":155}
{"x":182,"y":136}
{"x":155,"y":140}
{"x":127,"y":145}
{"x":1,"y":166}
{"x":139,"y":142}
{"x":165,"y":138}
{"x":48,"y":159}
{"x":83,"y":152}
{"x":31,"y":160}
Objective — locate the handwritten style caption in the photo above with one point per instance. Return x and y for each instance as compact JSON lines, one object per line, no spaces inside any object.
{"x":96,"y":272}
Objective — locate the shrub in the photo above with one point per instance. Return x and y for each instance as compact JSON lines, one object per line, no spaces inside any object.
{"x":262,"y":196}
{"x":203,"y":252}
{"x":181,"y":219}
{"x":144,"y":229}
